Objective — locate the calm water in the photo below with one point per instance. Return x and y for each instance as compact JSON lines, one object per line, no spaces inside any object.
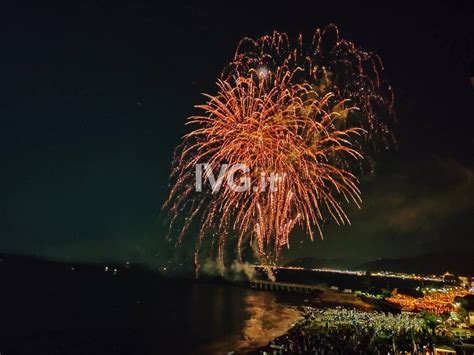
{"x":55,"y":310}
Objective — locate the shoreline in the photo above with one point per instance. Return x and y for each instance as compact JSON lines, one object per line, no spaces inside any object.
{"x":265,"y":323}
{"x":262,"y":329}
{"x":325,"y":299}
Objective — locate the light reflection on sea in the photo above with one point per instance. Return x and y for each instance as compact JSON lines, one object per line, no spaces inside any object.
{"x":262,"y":317}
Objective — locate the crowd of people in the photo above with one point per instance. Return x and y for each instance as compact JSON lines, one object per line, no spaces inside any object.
{"x":437,"y":302}
{"x":344,"y":331}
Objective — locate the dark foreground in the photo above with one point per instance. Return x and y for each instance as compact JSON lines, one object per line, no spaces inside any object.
{"x":54,"y":308}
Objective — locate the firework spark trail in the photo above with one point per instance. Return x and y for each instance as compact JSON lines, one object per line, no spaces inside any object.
{"x":279,"y":120}
{"x":331,"y":64}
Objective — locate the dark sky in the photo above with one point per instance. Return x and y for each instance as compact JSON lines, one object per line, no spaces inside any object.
{"x":95,"y":95}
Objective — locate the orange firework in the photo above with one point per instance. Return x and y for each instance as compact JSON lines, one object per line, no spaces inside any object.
{"x":331,"y":64}
{"x":279,"y":123}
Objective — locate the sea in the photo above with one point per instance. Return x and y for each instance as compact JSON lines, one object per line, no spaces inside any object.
{"x":56,"y":308}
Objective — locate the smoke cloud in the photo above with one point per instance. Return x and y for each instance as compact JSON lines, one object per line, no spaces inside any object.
{"x":235,"y":272}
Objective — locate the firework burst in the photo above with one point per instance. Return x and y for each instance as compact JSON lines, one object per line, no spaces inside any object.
{"x":274,"y":116}
{"x":330,"y":64}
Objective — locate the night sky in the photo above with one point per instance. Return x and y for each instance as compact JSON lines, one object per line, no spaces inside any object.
{"x":95,"y":96}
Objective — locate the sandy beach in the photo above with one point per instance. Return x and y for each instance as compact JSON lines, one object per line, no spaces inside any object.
{"x":267,"y":320}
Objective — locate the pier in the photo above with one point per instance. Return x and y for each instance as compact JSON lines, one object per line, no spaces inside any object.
{"x":284,"y":286}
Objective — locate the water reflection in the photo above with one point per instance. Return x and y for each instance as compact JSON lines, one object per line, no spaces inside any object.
{"x":254,"y":318}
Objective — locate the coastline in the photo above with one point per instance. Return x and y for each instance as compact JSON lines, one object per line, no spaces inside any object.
{"x":284,"y":316}
{"x":288,"y":322}
{"x":265,"y":323}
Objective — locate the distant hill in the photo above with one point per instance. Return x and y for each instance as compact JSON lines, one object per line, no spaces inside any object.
{"x":19,"y":263}
{"x":314,"y":263}
{"x":457,"y":263}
